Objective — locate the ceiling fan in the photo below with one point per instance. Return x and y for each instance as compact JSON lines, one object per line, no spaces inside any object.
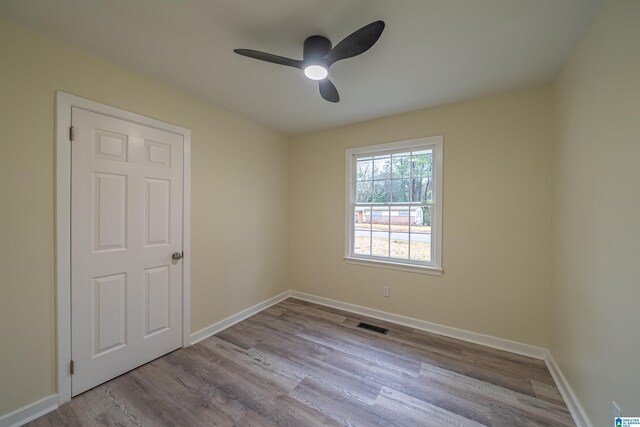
{"x":318,"y":55}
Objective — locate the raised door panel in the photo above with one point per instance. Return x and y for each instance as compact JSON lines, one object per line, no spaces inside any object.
{"x":158,"y":154}
{"x":109,"y":212}
{"x":157,"y":295}
{"x":157,"y":211}
{"x":109,"y":313}
{"x":110,"y":145}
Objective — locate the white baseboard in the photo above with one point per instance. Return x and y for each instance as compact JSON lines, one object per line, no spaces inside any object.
{"x":461,"y":334}
{"x":238,"y":317}
{"x":30,"y":412}
{"x":577,"y":411}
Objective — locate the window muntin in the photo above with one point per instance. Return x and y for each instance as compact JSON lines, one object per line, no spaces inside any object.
{"x":393,"y":204}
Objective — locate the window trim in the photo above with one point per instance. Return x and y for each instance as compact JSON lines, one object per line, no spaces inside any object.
{"x":436,"y":232}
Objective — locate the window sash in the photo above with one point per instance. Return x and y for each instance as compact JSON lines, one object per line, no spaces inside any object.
{"x":389,"y":231}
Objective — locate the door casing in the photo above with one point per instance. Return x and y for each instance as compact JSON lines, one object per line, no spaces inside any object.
{"x":64,"y":102}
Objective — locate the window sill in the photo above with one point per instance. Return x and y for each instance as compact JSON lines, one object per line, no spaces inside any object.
{"x":433,"y":271}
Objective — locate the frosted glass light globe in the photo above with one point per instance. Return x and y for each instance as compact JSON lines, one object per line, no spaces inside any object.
{"x":316,"y":72}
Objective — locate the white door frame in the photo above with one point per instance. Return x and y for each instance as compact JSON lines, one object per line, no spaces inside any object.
{"x":64,"y":102}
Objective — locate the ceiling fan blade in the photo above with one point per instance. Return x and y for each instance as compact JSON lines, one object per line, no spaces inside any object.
{"x":263,"y":56}
{"x":356,"y":43}
{"x":328,"y":90}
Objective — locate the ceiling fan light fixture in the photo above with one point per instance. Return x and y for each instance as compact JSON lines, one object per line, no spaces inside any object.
{"x":316,"y":72}
{"x":318,"y":55}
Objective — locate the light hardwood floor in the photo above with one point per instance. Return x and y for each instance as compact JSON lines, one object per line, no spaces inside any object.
{"x":301,"y":364}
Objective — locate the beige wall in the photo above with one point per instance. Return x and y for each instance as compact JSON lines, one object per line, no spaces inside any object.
{"x":496,"y":217}
{"x":595,"y":334}
{"x":541,"y":207}
{"x":239,"y":244}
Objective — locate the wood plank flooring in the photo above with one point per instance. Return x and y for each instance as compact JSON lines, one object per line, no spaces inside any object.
{"x":301,"y":364}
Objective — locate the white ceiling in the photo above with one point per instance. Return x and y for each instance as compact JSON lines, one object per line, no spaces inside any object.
{"x":432,"y":52}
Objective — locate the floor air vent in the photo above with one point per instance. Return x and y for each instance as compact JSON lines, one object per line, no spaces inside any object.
{"x":374,"y":328}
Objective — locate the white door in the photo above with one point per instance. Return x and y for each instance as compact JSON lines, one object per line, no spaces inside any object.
{"x":126,"y":222}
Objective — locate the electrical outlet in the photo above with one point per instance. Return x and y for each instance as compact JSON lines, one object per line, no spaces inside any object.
{"x":615,"y":410}
{"x":386,"y":291}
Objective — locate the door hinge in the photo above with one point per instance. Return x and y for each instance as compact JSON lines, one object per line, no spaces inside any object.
{"x":72,"y":367}
{"x":71,"y":133}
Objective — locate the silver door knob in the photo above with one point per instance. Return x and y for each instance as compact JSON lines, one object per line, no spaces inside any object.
{"x":176,"y":255}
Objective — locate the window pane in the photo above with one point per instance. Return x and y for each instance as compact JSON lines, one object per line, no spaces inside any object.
{"x":380,"y":218}
{"x":382,"y":167}
{"x":421,"y":234}
{"x":400,"y":190}
{"x":380,"y":234}
{"x":400,"y":218}
{"x":421,"y":219}
{"x":362,"y":218}
{"x":364,"y":169}
{"x":420,"y":247}
{"x":364,"y":192}
{"x":400,"y":245}
{"x":362,"y":243}
{"x":362,"y":231}
{"x":381,"y":191}
{"x":421,"y":190}
{"x":380,"y":243}
{"x":422,"y":163}
{"x":400,"y":165}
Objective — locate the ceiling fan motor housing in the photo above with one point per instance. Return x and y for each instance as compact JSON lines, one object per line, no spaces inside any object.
{"x":315,"y":49}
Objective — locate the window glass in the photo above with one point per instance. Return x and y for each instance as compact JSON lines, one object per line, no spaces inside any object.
{"x":393,"y":203}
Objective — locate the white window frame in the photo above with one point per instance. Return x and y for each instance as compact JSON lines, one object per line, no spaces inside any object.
{"x":434,"y":143}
